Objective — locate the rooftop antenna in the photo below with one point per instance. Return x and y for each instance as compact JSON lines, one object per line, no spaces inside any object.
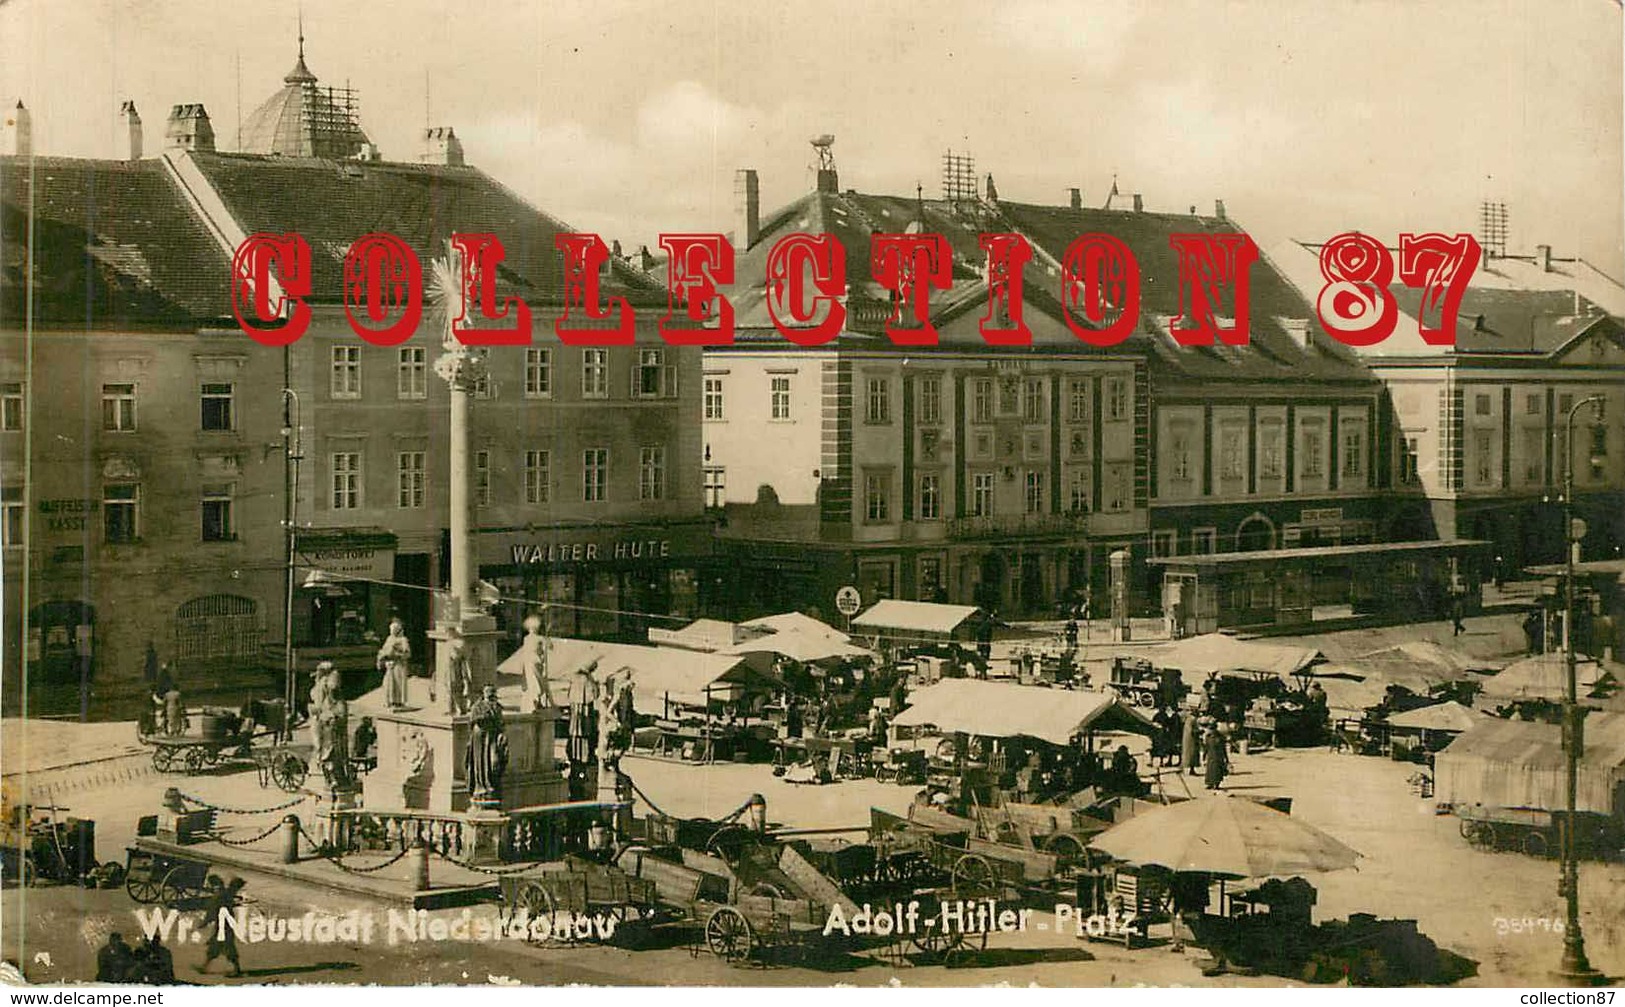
{"x":239,"y":97}
{"x":958,"y":177}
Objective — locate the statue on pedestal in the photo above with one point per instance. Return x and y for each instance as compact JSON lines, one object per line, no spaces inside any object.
{"x":533,"y":657}
{"x":459,"y":685}
{"x":394,"y":657}
{"x":329,"y":727}
{"x":487,"y":757}
{"x":616,"y":718}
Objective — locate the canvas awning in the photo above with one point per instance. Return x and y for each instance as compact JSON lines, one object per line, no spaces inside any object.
{"x":801,"y":646}
{"x":794,"y":622}
{"x":903,"y":617}
{"x":1216,"y":653}
{"x":1449,"y":716}
{"x":1518,"y":764}
{"x":1006,"y":710}
{"x":1545,"y":676}
{"x":659,"y":674}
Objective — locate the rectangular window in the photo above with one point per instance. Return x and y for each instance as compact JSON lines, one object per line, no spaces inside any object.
{"x":780,"y":390}
{"x":1353,"y":459}
{"x":981,"y":401}
{"x":1078,"y":497}
{"x":1483,"y":457}
{"x":595,"y":374}
{"x":1232,"y":453}
{"x":1271,"y":461}
{"x":11,"y":405}
{"x":1314,"y":452}
{"x":483,"y":386}
{"x":713,"y":398}
{"x":1117,"y":398}
{"x":410,"y":479}
{"x":217,"y":411}
{"x":1534,"y":456}
{"x":536,"y":476}
{"x":1408,"y":447}
{"x":594,"y":474}
{"x":118,"y":407}
{"x":121,"y":504}
{"x":1117,"y":487}
{"x":716,"y":485}
{"x":931,"y":399}
{"x":1481,"y":404}
{"x":1179,"y":454}
{"x":411,"y":373}
{"x":1203,"y":541}
{"x":1565,"y":402}
{"x":538,"y":373}
{"x":646,"y":377}
{"x":1163,"y":544}
{"x":345,"y":379}
{"x":346,"y":469}
{"x":981,"y":500}
{"x":930,"y":497}
{"x":652,"y":473}
{"x":1034,"y":495}
{"x":482,"y":478}
{"x":1009,"y":395}
{"x":217,"y":516}
{"x":12,"y":509}
{"x":1077,"y":401}
{"x":1033,"y":400}
{"x":1532,"y":404}
{"x":876,"y":496}
{"x":879,"y":401}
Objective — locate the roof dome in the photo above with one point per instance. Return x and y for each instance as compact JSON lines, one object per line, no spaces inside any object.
{"x":304,"y":120}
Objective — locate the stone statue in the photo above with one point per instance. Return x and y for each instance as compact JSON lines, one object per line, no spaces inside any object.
{"x":394,"y":659}
{"x":616,"y":718}
{"x":533,"y":658}
{"x":336,"y":767}
{"x":322,"y":691}
{"x":487,"y":757}
{"x":459,"y":680}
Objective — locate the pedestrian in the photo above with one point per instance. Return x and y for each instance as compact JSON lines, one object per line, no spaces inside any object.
{"x":113,"y":960}
{"x":153,"y":964}
{"x":394,"y":659}
{"x":174,"y":710}
{"x":222,"y":937}
{"x":1456,"y":610}
{"x":1218,"y":760}
{"x":1190,"y":756}
{"x":149,"y":668}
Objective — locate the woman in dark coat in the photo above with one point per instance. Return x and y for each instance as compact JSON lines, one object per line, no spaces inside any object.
{"x":1218,"y":760}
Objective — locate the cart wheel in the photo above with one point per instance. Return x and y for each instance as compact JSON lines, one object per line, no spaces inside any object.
{"x":1535,"y":844}
{"x":1146,"y":699}
{"x":768,"y":890}
{"x":727,"y":934}
{"x":726,"y":841}
{"x":973,"y":877}
{"x":1069,"y":852}
{"x":142,"y":888}
{"x":1466,"y":828}
{"x":172,"y":891}
{"x":1480,"y":834}
{"x":936,"y":943}
{"x":535,"y":902}
{"x":289,"y":772}
{"x":162,"y":758}
{"x":197,"y":759}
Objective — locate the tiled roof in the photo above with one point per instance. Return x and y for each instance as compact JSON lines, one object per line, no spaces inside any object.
{"x":115,"y":244}
{"x":852,"y":217}
{"x":332,"y":203}
{"x":1513,"y":321}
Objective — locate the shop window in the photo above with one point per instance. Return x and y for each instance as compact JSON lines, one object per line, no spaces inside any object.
{"x":217,"y":406}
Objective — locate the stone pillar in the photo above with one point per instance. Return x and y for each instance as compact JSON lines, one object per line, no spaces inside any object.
{"x":1122,"y":628}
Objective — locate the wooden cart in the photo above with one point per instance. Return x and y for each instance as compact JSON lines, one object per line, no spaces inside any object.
{"x":163,"y":878}
{"x":285,"y":765}
{"x":578,"y":887}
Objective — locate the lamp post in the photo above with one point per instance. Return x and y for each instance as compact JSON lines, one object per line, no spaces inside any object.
{"x":1574,"y":967}
{"x":291,"y":455}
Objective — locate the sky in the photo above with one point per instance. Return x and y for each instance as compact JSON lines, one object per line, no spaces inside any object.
{"x":630,"y":118}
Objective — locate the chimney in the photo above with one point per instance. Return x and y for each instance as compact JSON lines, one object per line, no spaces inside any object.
{"x":1075,"y":198}
{"x":1218,"y":209}
{"x":1543,"y":255}
{"x":189,"y":128}
{"x":441,"y":146}
{"x":21,"y":128}
{"x":132,"y":121}
{"x":747,"y":210}
{"x":1139,"y":203}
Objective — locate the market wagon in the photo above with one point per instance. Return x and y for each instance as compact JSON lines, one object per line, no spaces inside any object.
{"x":566,"y":891}
{"x":285,"y":765}
{"x":163,"y":878}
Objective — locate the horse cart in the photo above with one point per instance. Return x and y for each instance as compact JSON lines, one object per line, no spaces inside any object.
{"x":581,"y":900}
{"x":285,"y":765}
{"x":1536,"y":831}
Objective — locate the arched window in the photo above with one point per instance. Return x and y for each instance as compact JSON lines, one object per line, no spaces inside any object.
{"x":218,"y":626}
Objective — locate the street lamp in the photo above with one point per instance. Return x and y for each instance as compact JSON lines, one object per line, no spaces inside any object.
{"x":291,"y":455}
{"x":1574,"y":966}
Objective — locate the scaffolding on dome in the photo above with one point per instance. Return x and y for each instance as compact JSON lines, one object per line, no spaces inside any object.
{"x":332,"y":118}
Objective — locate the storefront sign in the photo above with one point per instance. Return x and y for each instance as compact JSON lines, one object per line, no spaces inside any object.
{"x":1323,"y":515}
{"x":68,"y":515}
{"x":619,"y":550}
{"x":363,"y":554}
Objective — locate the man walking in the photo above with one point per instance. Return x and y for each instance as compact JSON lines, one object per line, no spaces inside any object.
{"x":222,"y":937}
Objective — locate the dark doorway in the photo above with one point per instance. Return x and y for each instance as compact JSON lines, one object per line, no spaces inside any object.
{"x":412,"y":603}
{"x":1255,"y":535}
{"x":990,"y":584}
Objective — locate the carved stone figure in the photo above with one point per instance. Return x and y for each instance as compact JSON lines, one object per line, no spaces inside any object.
{"x":459,"y":679}
{"x":616,"y":718}
{"x":394,"y":659}
{"x":487,"y":757}
{"x":533,"y":651}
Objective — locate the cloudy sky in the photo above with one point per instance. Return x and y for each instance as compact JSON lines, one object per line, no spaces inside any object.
{"x":629,"y":118}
